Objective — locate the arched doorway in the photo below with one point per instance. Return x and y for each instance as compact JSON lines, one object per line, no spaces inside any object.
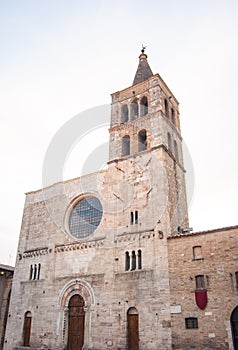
{"x":132,"y":329}
{"x":234,"y":327}
{"x":76,"y":323}
{"x":27,"y":329}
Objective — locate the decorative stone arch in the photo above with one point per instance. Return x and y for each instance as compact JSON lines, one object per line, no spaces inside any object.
{"x":84,"y":289}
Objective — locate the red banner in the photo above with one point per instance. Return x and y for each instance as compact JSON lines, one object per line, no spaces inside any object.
{"x":201,"y":298}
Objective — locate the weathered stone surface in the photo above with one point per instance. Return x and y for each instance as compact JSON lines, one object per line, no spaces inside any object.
{"x":158,"y":284}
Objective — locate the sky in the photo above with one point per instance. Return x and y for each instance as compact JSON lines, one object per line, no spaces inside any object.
{"x":59,"y":58}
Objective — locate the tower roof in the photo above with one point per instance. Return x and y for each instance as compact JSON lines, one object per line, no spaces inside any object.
{"x":143,"y":71}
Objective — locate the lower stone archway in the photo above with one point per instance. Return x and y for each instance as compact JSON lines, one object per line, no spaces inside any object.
{"x":75,"y":299}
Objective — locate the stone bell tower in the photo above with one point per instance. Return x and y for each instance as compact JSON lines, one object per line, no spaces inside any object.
{"x":144,"y":124}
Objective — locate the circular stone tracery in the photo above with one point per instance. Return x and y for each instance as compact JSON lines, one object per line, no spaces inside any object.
{"x":85,"y":217}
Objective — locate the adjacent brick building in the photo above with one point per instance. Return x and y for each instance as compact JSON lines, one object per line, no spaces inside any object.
{"x":107,"y":261}
{"x":207,"y":263}
{"x":6,"y":276}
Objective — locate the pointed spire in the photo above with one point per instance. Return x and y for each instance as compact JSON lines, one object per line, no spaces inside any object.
{"x":143,"y":71}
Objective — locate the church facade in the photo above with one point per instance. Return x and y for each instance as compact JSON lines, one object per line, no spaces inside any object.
{"x":119,"y":268}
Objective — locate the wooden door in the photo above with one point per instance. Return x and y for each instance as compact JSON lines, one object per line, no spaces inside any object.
{"x":133,"y":329}
{"x":234,"y":327}
{"x":76,"y":323}
{"x":27,"y":329}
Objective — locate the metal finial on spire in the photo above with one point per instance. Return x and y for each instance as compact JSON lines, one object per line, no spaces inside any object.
{"x":143,"y":48}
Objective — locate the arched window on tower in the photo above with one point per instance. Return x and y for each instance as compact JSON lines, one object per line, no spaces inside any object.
{"x":124,"y":114}
{"x":169,"y":141}
{"x":125,"y":146}
{"x":176,"y":150}
{"x":142,"y":141}
{"x":173,"y":115}
{"x":127,"y":261}
{"x":133,"y":260}
{"x":134,"y":109}
{"x":166,"y":108}
{"x":143,"y":106}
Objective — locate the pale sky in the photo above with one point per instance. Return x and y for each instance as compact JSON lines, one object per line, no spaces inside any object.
{"x":59,"y":58}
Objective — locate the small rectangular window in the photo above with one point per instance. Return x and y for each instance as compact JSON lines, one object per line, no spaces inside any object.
{"x":197,"y":253}
{"x":236,"y":274}
{"x":191,"y":322}
{"x":200,"y":282}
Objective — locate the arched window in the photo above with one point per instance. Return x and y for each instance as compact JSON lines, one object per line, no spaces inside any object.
{"x":125,"y":146}
{"x":31,"y":272}
{"x":38,"y":272}
{"x":27,"y":329}
{"x":139,"y":260}
{"x":172,"y":116}
{"x":169,"y":141}
{"x":143,"y":106}
{"x":133,"y":260}
{"x":134,"y":109}
{"x":142,"y":141}
{"x":127,"y":261}
{"x":35,"y":272}
{"x":176,"y":150}
{"x":166,"y":108}
{"x":136,"y":217}
{"x":124,"y":114}
{"x":132,"y":217}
